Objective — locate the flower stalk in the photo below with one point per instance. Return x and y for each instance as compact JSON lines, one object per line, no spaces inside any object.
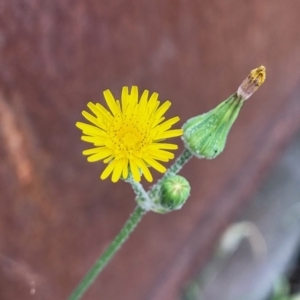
{"x":110,"y":251}
{"x":146,"y":203}
{"x":182,"y":159}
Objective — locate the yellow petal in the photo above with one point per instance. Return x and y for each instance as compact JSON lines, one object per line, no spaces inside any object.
{"x":91,"y":129}
{"x":99,"y":155}
{"x":111,"y":102}
{"x":117,"y":171}
{"x":154,"y":164}
{"x":103,"y":116}
{"x":169,"y":134}
{"x":152,"y":104}
{"x":125,"y":168}
{"x":161,"y":155}
{"x":135,"y":171}
{"x":163,"y":146}
{"x":108,"y":170}
{"x":143,"y":102}
{"x":91,"y":118}
{"x":163,"y":108}
{"x":134,"y":94}
{"x":144,"y":169}
{"x":95,"y":150}
{"x":124,"y":98}
{"x":107,"y":160}
{"x":103,"y":113}
{"x":90,"y":139}
{"x":166,"y":125}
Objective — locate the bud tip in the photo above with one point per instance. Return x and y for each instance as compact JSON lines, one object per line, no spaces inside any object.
{"x":250,"y":85}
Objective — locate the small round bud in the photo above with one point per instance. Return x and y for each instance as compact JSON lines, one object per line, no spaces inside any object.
{"x":206,"y":135}
{"x":174,"y":192}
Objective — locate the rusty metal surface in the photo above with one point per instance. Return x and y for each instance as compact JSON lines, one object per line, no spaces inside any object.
{"x":56,"y":215}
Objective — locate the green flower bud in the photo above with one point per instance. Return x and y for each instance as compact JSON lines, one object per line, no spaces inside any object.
{"x":174,"y":192}
{"x":168,"y":194}
{"x":206,"y":135}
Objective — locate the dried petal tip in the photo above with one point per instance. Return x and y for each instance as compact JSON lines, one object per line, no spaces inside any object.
{"x":254,"y":80}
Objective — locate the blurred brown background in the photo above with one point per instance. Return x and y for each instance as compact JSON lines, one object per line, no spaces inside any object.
{"x":56,"y":216}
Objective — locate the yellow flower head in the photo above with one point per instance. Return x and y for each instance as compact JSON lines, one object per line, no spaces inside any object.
{"x":128,"y":137}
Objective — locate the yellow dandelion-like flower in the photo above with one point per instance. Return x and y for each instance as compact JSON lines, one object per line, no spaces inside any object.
{"x":128,"y":137}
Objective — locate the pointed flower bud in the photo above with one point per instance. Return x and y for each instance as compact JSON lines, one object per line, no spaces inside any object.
{"x":206,"y":135}
{"x":175,"y":190}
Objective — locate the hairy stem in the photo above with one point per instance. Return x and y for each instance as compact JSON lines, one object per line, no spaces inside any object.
{"x":110,"y":251}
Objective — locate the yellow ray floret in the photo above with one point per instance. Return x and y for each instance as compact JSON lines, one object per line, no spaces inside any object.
{"x":128,"y":135}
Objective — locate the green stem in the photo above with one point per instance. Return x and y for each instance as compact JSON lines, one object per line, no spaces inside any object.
{"x":129,"y":226}
{"x":99,"y":265}
{"x":138,"y":189}
{"x":182,"y":159}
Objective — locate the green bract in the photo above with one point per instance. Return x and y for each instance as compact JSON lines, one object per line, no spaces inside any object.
{"x":205,"y":135}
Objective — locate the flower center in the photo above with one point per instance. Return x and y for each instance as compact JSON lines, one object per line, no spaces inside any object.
{"x":130,"y":141}
{"x":129,"y":138}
